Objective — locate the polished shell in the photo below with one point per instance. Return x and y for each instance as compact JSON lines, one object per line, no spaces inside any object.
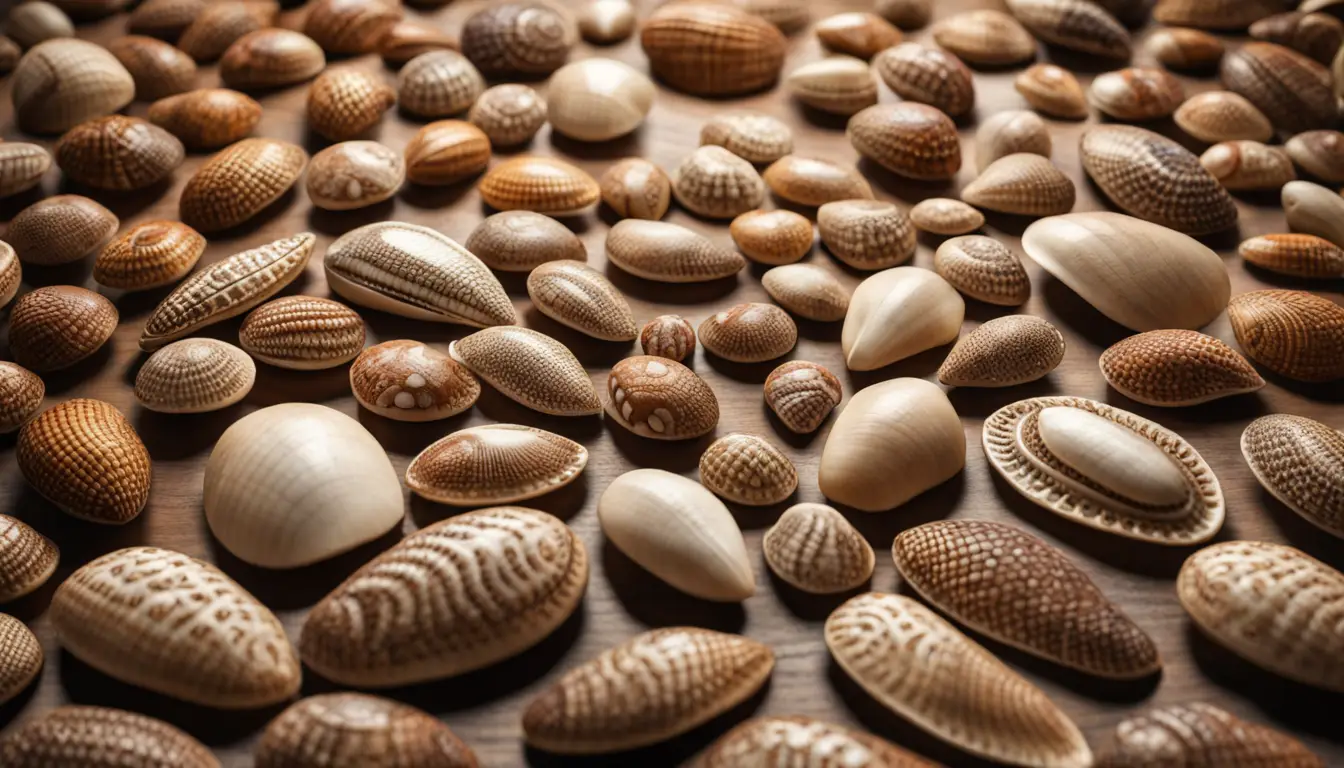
{"x":195,"y":376}
{"x":11,"y":273}
{"x":1004,"y":352}
{"x":28,"y":24}
{"x":669,"y":253}
{"x":1290,"y":89}
{"x":772,"y":237}
{"x":1008,"y":133}
{"x":1078,"y":25}
{"x":446,"y":152}
{"x":897,"y":313}
{"x":598,"y":99}
{"x":530,"y":368}
{"x":1136,"y":94}
{"x":350,"y":26}
{"x":495,"y":464}
{"x":438,"y":83}
{"x":240,"y":182}
{"x":807,"y":290}
{"x":1295,"y":334}
{"x":1214,"y":14}
{"x":21,"y":393}
{"x":814,"y":548}
{"x":747,"y":469}
{"x":100,"y":737}
{"x":802,"y":395}
{"x":929,"y":76}
{"x":771,"y":741}
{"x":217,"y":25}
{"x":576,"y":295}
{"x":752,"y":136}
{"x":983,"y":269}
{"x":163,"y":18}
{"x":157,"y":68}
{"x":808,"y":181}
{"x":913,"y":140}
{"x":271,"y":58}
{"x":60,"y":83}
{"x":520,"y":241}
{"x":27,"y":560}
{"x":669,"y":336}
{"x":354,"y":174}
{"x":149,"y":255}
{"x":710,"y":49}
{"x":1306,"y":256}
{"x":985,"y":36}
{"x":1215,"y":116}
{"x":345,"y":730}
{"x":510,"y":114}
{"x":1053,"y":90}
{"x":1022,"y":184}
{"x":1177,"y":368}
{"x":60,"y":229}
{"x":749,"y":333}
{"x":1185,"y":48}
{"x":717,"y":184}
{"x":1314,"y":210}
{"x":1300,"y":462}
{"x":303,"y":333}
{"x":606,"y":22}
{"x":208,"y":118}
{"x":56,"y":326}
{"x":1201,"y":735}
{"x":1110,"y":456}
{"x":866,"y":234}
{"x":1248,"y":165}
{"x":945,"y":216}
{"x":1317,"y":35}
{"x":85,"y":457}
{"x":659,"y":398}
{"x":406,"y":380}
{"x":344,"y":102}
{"x":857,"y":33}
{"x":541,"y":184}
{"x":636,"y":188}
{"x":839,"y":85}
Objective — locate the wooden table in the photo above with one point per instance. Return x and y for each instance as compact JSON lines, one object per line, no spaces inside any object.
{"x":484,"y":708}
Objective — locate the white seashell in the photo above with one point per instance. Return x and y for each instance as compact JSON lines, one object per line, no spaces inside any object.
{"x":897,"y":313}
{"x":814,"y":548}
{"x":598,"y":99}
{"x":1111,"y":456}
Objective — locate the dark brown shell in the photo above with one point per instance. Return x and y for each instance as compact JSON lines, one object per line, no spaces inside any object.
{"x":219,"y":24}
{"x":271,"y":58}
{"x":1292,"y":333}
{"x":56,"y":326}
{"x":1317,"y":35}
{"x":712,"y":50}
{"x":927,"y":75}
{"x":913,"y":140}
{"x":350,"y":26}
{"x":542,"y":184}
{"x":517,"y":38}
{"x":1200,"y":735}
{"x":157,"y":68}
{"x":85,"y":457}
{"x":118,"y":153}
{"x":520,"y":241}
{"x":239,"y":182}
{"x":769,"y":742}
{"x":1184,"y":48}
{"x":1074,"y":24}
{"x":355,"y":729}
{"x":27,"y":560}
{"x":446,"y":152}
{"x":345,"y":102}
{"x":149,"y":255}
{"x":1176,"y":368}
{"x":1293,"y":91}
{"x":60,"y":229}
{"x":206,"y":118}
{"x":98,"y":737}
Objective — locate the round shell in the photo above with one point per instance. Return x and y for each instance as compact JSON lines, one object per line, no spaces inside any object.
{"x":510,"y":114}
{"x":84,"y":457}
{"x":523,"y":38}
{"x":712,"y":50}
{"x":271,"y":58}
{"x":606,"y":22}
{"x":814,"y":548}
{"x":27,"y":560}
{"x":407,"y":380}
{"x":669,"y":253}
{"x":808,"y":291}
{"x":446,"y":152}
{"x":947,"y":217}
{"x":20,"y":658}
{"x":669,"y":336}
{"x":1300,"y":462}
{"x":1292,"y":333}
{"x":99,"y":737}
{"x":1053,"y":90}
{"x":576,"y":295}
{"x":1172,"y":368}
{"x":354,"y":174}
{"x":22,"y":167}
{"x":867,"y":234}
{"x":521,"y":241}
{"x":207,"y":118}
{"x":717,"y":184}
{"x":352,"y":729}
{"x":928,"y":76}
{"x":495,"y":464}
{"x":344,"y":102}
{"x":913,"y":140}
{"x":636,"y":188}
{"x":438,"y":84}
{"x":807,"y":181}
{"x":1004,"y":352}
{"x":56,"y":326}
{"x":756,"y":138}
{"x":659,"y":398}
{"x":540,"y":184}
{"x":772,"y":237}
{"x":148,"y":256}
{"x":303,"y":333}
{"x":1215,"y":116}
{"x":195,"y":376}
{"x":21,"y":393}
{"x":60,"y":229}
{"x":61,"y":83}
{"x":802,"y":395}
{"x":746,"y":469}
{"x":598,"y":99}
{"x":240,"y":182}
{"x":749,"y":333}
{"x":984,"y":269}
{"x":530,"y":368}
{"x":157,"y":68}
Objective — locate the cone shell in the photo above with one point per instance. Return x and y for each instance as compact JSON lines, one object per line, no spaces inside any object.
{"x":1292,"y":333}
{"x":913,"y":140}
{"x":1074,"y":24}
{"x":928,"y":76}
{"x":669,"y":253}
{"x":149,"y":255}
{"x":407,"y":380}
{"x":438,"y":83}
{"x":1319,"y":153}
{"x":1053,"y":90}
{"x":351,"y":729}
{"x":21,"y":393}
{"x":56,"y":326}
{"x":717,"y":184}
{"x":495,"y":464}
{"x":22,"y":167}
{"x":802,"y":395}
{"x":808,"y":291}
{"x":217,"y":25}
{"x":898,"y":313}
{"x":1136,"y":94}
{"x":946,"y":217}
{"x":1201,"y":735}
{"x":746,"y":469}
{"x":858,"y":33}
{"x":772,"y":237}
{"x":1023,"y":184}
{"x":754,"y":137}
{"x":669,"y":336}
{"x":866,"y":234}
{"x":1215,"y":116}
{"x":1177,"y":368}
{"x":207,"y":118}
{"x":712,"y":50}
{"x":520,"y":241}
{"x":60,"y":83}
{"x":1184,"y":48}
{"x":1306,"y":256}
{"x":1290,"y":89}
{"x":540,"y":184}
{"x":302,"y":333}
{"x":1314,"y":210}
{"x":27,"y":560}
{"x":271,"y":58}
{"x":983,"y":269}
{"x":99,"y":737}
{"x":518,"y":38}
{"x":659,"y":398}
{"x":636,"y":188}
{"x":350,"y":26}
{"x":195,"y":376}
{"x":576,"y":295}
{"x":839,"y":85}
{"x":163,"y":18}
{"x":446,"y":152}
{"x":530,"y":368}
{"x":807,"y":181}
{"x":1299,"y":461}
{"x":20,"y":658}
{"x":60,"y":229}
{"x":598,"y":99}
{"x":344,"y":103}
{"x":814,"y":548}
{"x":988,"y":37}
{"x":509,"y":113}
{"x":157,"y":68}
{"x":1004,"y":352}
{"x":1248,"y":165}
{"x":749,"y":333}
{"x":264,"y":169}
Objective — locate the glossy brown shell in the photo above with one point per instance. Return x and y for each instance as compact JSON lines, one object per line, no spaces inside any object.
{"x":1214,"y":14}
{"x":100,"y":737}
{"x":20,"y":655}
{"x":219,"y":24}
{"x":207,"y":118}
{"x":495,"y":464}
{"x":118,"y":153}
{"x":985,"y":36}
{"x":61,"y":83}
{"x":1136,"y":93}
{"x":1248,"y":165}
{"x":157,"y":68}
{"x":808,"y":181}
{"x":1299,"y":461}
{"x":984,"y":269}
{"x":1317,"y":35}
{"x":1177,"y":368}
{"x":636,"y":188}
{"x":802,"y":395}
{"x":866,"y":234}
{"x":271,"y":58}
{"x":717,"y":184}
{"x":839,"y":85}
{"x":1184,"y":48}
{"x":858,"y":33}
{"x":1199,"y":735}
{"x":669,"y":253}
{"x":438,"y":83}
{"x":60,"y":229}
{"x":659,"y":398}
{"x":772,"y":237}
{"x":509,"y":114}
{"x":84,"y":457}
{"x":27,"y":560}
{"x":913,"y":140}
{"x":355,"y":729}
{"x":149,"y":255}
{"x":712,"y":50}
{"x":1215,"y":116}
{"x":263,"y":169}
{"x":1292,"y":333}
{"x":303,"y":333}
{"x":1004,"y":352}
{"x":520,"y":241}
{"x":195,"y":376}
{"x":1292,"y":90}
{"x":22,"y":167}
{"x":1053,"y":90}
{"x":407,"y":380}
{"x":669,"y":336}
{"x":56,"y":326}
{"x":1023,"y":184}
{"x":1319,"y":153}
{"x":1074,"y":24}
{"x":1297,"y":255}
{"x":747,"y":469}
{"x":344,"y":102}
{"x":928,"y":76}
{"x":749,"y":333}
{"x":530,"y":368}
{"x":807,"y":290}
{"x":354,"y":174}
{"x":407,"y":39}
{"x":350,"y":26}
{"x":576,"y":295}
{"x":540,"y":184}
{"x":446,"y":152}
{"x":21,"y":393}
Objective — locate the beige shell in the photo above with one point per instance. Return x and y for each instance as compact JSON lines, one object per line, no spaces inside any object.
{"x":518,"y":38}
{"x":598,"y":99}
{"x":787,"y":15}
{"x":772,"y":237}
{"x":913,"y":140}
{"x":749,"y":333}
{"x":1197,"y":734}
{"x":27,"y":560}
{"x":1022,"y":184}
{"x":717,"y":184}
{"x":1184,"y":48}
{"x":814,"y":548}
{"x":659,"y":398}
{"x":303,"y":333}
{"x":766,"y":742}
{"x":866,"y":234}
{"x":928,"y":76}
{"x":407,"y":39}
{"x":897,"y":313}
{"x":983,"y":269}
{"x":271,"y":58}
{"x":669,"y":253}
{"x":606,"y":22}
{"x":217,"y":25}
{"x":240,"y":182}
{"x":1173,"y":368}
{"x":495,"y":464}
{"x":61,"y":83}
{"x":1299,"y":461}
{"x":1292,"y":90}
{"x":808,"y":291}
{"x":678,"y":531}
{"x":407,"y":380}
{"x":669,"y":336}
{"x":207,"y":118}
{"x":99,"y":737}
{"x":354,"y":174}
{"x":945,"y":216}
{"x":1306,"y":256}
{"x":1215,"y":116}
{"x":1053,"y":90}
{"x":194,"y":376}
{"x":1248,"y":165}
{"x":1314,"y":210}
{"x":453,"y":597}
{"x":1011,"y":132}
{"x":1136,"y":94}
{"x":1293,"y":333}
{"x":438,"y":83}
{"x":1215,"y":14}
{"x":353,"y":729}
{"x":446,"y":152}
{"x":1004,"y":352}
{"x":22,"y":167}
{"x":857,"y":33}
{"x":541,"y":184}
{"x":747,"y":469}
{"x":840,"y":85}
{"x":60,"y":229}
{"x":709,"y":49}
{"x":530,"y":368}
{"x":21,"y":393}
{"x":84,"y":457}
{"x":802,"y":395}
{"x":21,"y":655}
{"x":1319,"y":153}
{"x":521,"y":241}
{"x":986,"y":36}
{"x":157,"y":68}
{"x":636,"y":188}
{"x":56,"y":326}
{"x":350,"y":26}
{"x":754,"y":137}
{"x":576,"y":295}
{"x":1074,"y":24}
{"x":28,"y":24}
{"x":149,"y":255}
{"x":509,"y":114}
{"x":812,"y":182}
{"x":344,"y":102}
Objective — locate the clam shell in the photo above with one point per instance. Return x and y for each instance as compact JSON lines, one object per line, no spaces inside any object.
{"x":1242,"y":165}
{"x":808,"y":291}
{"x":906,"y":14}
{"x":678,"y":531}
{"x":1306,"y":256}
{"x":451,"y":598}
{"x":814,"y":548}
{"x":1319,"y":153}
{"x":344,"y":103}
{"x":1136,"y":94}
{"x":1008,"y":133}
{"x":857,"y":33}
{"x":149,"y":255}
{"x":157,"y":68}
{"x":866,"y":234}
{"x":580,"y":297}
{"x":303,"y":333}
{"x":164,"y":19}
{"x":207,"y":118}
{"x":1052,"y":90}
{"x":669,"y":336}
{"x":653,"y":687}
{"x":598,"y":99}
{"x":717,"y":184}
{"x":1184,"y":48}
{"x":354,"y":174}
{"x":56,"y":326}
{"x":985,"y":36}
{"x":897,"y":313}
{"x":350,"y":729}
{"x":60,"y":83}
{"x":746,"y":469}
{"x":912,"y":140}
{"x":712,"y":50}
{"x":1214,"y":14}
{"x":1074,"y":24}
{"x":99,"y":737}
{"x":749,"y":333}
{"x":919,"y":666}
{"x":21,"y":393}
{"x":1314,"y":210}
{"x":350,"y":26}
{"x":1295,"y":334}
{"x":522,"y":38}
{"x":763,"y":742}
{"x":521,"y":241}
{"x":509,"y":114}
{"x":407,"y":380}
{"x":636,"y":188}
{"x":438,"y":83}
{"x":945,"y":216}
{"x":271,"y":58}
{"x":1174,"y":368}
{"x":22,"y":167}
{"x":840,"y":85}
{"x":659,"y":398}
{"x":772,"y":237}
{"x":1198,"y":734}
{"x":669,"y":253}
{"x":1215,"y":116}
{"x":27,"y":560}
{"x":540,"y":184}
{"x":1300,"y":462}
{"x":11,"y":273}
{"x":1167,"y":494}
{"x":240,"y":182}
{"x":407,"y":39}
{"x":530,"y":368}
{"x":217,"y":25}
{"x":60,"y":229}
{"x":983,"y":269}
{"x":1290,"y":89}
{"x":606,"y":22}
{"x":802,"y":395}
{"x":195,"y":376}
{"x":28,"y":24}
{"x":20,"y":658}
{"x":161,"y":620}
{"x":928,"y":76}
{"x":1023,"y":184}
{"x":446,"y":152}
{"x":495,"y":464}
{"x":1004,"y":352}
{"x":754,"y":137}
{"x":808,"y":181}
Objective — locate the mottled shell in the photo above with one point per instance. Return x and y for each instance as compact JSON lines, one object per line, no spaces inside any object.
{"x":857,"y":33}
{"x":717,"y":184}
{"x":344,"y":102}
{"x":636,"y":188}
{"x":659,"y":398}
{"x":912,"y":140}
{"x":28,"y":24}
{"x":814,"y":548}
{"x":749,"y":333}
{"x":1314,"y":210}
{"x":60,"y":229}
{"x":520,"y":241}
{"x":669,"y":253}
{"x":808,"y":291}
{"x":1008,"y":133}
{"x":1053,"y":90}
{"x":606,"y":22}
{"x":576,"y":295}
{"x":56,"y":326}
{"x":1200,"y":735}
{"x":1022,"y":184}
{"x":240,"y":182}
{"x":118,"y":153}
{"x":1214,"y":14}
{"x":540,"y":184}
{"x":523,"y":38}
{"x":350,"y":26}
{"x":302,"y":333}
{"x":61,"y":83}
{"x":1004,"y":352}
{"x":354,"y":174}
{"x":985,"y":36}
{"x":165,"y":19}
{"x":772,"y":741}
{"x":866,"y":234}
{"x":1183,"y":48}
{"x":405,"y":40}
{"x":446,"y":152}
{"x":1292,"y":333}
{"x":1136,"y":94}
{"x":945,"y":216}
{"x":207,"y":118}
{"x":1248,"y":165}
{"x":1300,"y":462}
{"x":27,"y":560}
{"x":1306,"y":256}
{"x":747,"y":469}
{"x":1215,"y":116}
{"x":84,"y":457}
{"x":195,"y":376}
{"x":756,"y":138}
{"x":1319,"y":153}
{"x":669,"y":336}
{"x":983,"y":269}
{"x":20,"y":654}
{"x":928,"y":76}
{"x":712,"y":50}
{"x":812,"y":182}
{"x":1290,"y":89}
{"x":1074,"y":24}
{"x":407,"y":380}
{"x":99,"y":737}
{"x":598,"y":99}
{"x":530,"y":368}
{"x":509,"y":114}
{"x":271,"y":58}
{"x":157,"y":68}
{"x":897,"y":313}
{"x":495,"y":464}
{"x":219,"y":24}
{"x":21,"y":393}
{"x":1317,"y":35}
{"x":802,"y":395}
{"x":1177,"y":368}
{"x":22,"y":167}
{"x":840,"y":85}
{"x":772,"y":237}
{"x":11,"y":273}
{"x":354,"y":729}
{"x":438,"y":83}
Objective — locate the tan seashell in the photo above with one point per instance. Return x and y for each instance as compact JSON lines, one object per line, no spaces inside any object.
{"x":446,"y":152}
{"x":1297,"y":255}
{"x":1184,"y":48}
{"x":984,"y":269}
{"x":906,"y":14}
{"x":912,"y":140}
{"x":1298,"y":460}
{"x":1248,"y":165}
{"x":749,"y":333}
{"x":303,"y":333}
{"x":56,"y":326}
{"x":928,"y":76}
{"x":407,"y":39}
{"x":344,"y":102}
{"x":540,"y":184}
{"x":271,"y":58}
{"x":157,"y":68}
{"x":1136,"y":94}
{"x":148,"y":256}
{"x":653,"y":687}
{"x":1317,"y":35}
{"x":606,"y":22}
{"x":794,"y":740}
{"x":669,"y":336}
{"x":219,"y":24}
{"x":27,"y":560}
{"x":1074,"y":24}
{"x":350,"y":729}
{"x":524,"y":38}
{"x":354,"y":174}
{"x":669,"y":253}
{"x":1023,"y":184}
{"x":986,"y":37}
{"x":84,"y":457}
{"x":746,"y":469}
{"x":814,"y":548}
{"x":808,"y":181}
{"x":118,"y":153}
{"x":21,"y":393}
{"x":20,"y":656}
{"x":207,"y":118}
{"x":60,"y":230}
{"x":709,"y":49}
{"x":407,"y":380}
{"x":22,"y":167}
{"x":520,"y":241}
{"x":495,"y":464}
{"x":99,"y":737}
{"x":787,"y":15}
{"x":598,"y":99}
{"x":1319,"y":153}
{"x":944,"y":216}
{"x":1290,"y":89}
{"x":438,"y":83}
{"x":808,"y":291}
{"x":898,"y":313}
{"x":580,"y":297}
{"x":715,"y":183}
{"x":1008,"y":133}
{"x":660,"y":398}
{"x":30,"y":23}
{"x":756,"y":138}
{"x":240,"y":182}
{"x":1198,"y":734}
{"x":1004,"y":352}
{"x":857,"y":33}
{"x":1295,"y":334}
{"x":1177,"y":368}
{"x":472,"y":590}
{"x":636,"y":188}
{"x":840,"y":85}
{"x":11,"y":273}
{"x":1052,"y":90}
{"x":866,"y":234}
{"x":772,"y":237}
{"x":1215,"y":116}
{"x":920,"y":667}
{"x":509,"y":114}
{"x":802,"y":395}
{"x":530,"y":368}
{"x":10,"y":53}
{"x":1215,"y":14}
{"x":61,"y":83}
{"x":1314,"y":210}
{"x":350,"y":26}
{"x":195,"y":376}
{"x":165,"y":19}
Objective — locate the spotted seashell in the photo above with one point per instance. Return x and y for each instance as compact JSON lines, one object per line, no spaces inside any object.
{"x":749,"y":333}
{"x":984,"y":269}
{"x":808,"y":291}
{"x":576,"y":295}
{"x":1200,"y":735}
{"x":495,"y":464}
{"x":659,"y":398}
{"x":1004,"y":352}
{"x":746,"y":469}
{"x":523,"y":38}
{"x":814,"y":548}
{"x":669,"y":253}
{"x":1177,"y":368}
{"x":530,"y":368}
{"x":1292,"y":333}
{"x":1300,"y":462}
{"x":669,"y":336}
{"x":637,"y":189}
{"x":406,"y":380}
{"x":802,"y":395}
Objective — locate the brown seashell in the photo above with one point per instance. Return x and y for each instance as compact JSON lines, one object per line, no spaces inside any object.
{"x":906,"y":14}
{"x":669,"y":336}
{"x":944,"y":216}
{"x":271,"y":58}
{"x":446,"y":152}
{"x":606,"y":22}
{"x":1074,"y":24}
{"x":303,"y":333}
{"x":1023,"y":184}
{"x":1173,"y":368}
{"x":56,"y":326}
{"x":157,"y":68}
{"x":749,"y":333}
{"x":983,"y":269}
{"x":840,"y":85}
{"x":195,"y":376}
{"x":1295,"y":334}
{"x":61,"y":83}
{"x":530,"y":368}
{"x":659,"y":398}
{"x":1215,"y":116}
{"x":148,"y":256}
{"x":712,"y":50}
{"x":118,"y":153}
{"x":580,"y":297}
{"x":30,"y":23}
{"x":510,"y":114}
{"x":802,"y":395}
{"x":221,"y":23}
{"x":772,"y":237}
{"x":794,"y":740}
{"x":354,"y":174}
{"x":637,"y":189}
{"x":60,"y":229}
{"x":913,"y":140}
{"x":814,"y":548}
{"x":1200,"y":735}
{"x":928,"y":76}
{"x":1290,"y":89}
{"x":1004,"y":352}
{"x":669,"y":253}
{"x":495,"y":464}
{"x":1317,"y":35}
{"x":1313,"y":209}
{"x":240,"y":182}
{"x":21,"y":393}
{"x":1009,"y":133}
{"x":1319,"y":153}
{"x":808,"y":291}
{"x":439,"y":83}
{"x":10,"y":54}
{"x":1052,"y":90}
{"x":1184,"y":48}
{"x":407,"y":380}
{"x":20,"y":657}
{"x":11,"y":273}
{"x":84,"y":457}
{"x":350,"y":26}
{"x":165,"y":19}
{"x":756,"y":138}
{"x":22,"y":167}
{"x":541,"y":184}
{"x":1215,"y":14}
{"x":206,"y":118}
{"x":1297,"y":255}
{"x":787,"y":15}
{"x":1136,"y":94}
{"x":858,"y":33}
{"x":715,"y":183}
{"x":85,"y":10}
{"x":99,"y":737}
{"x":1299,"y":461}
{"x":986,"y":37}
{"x":520,"y":241}
{"x":345,"y":102}
{"x":405,"y":40}
{"x":746,"y":469}
{"x":866,"y":234}
{"x":352,"y":729}
{"x":812,"y":182}
{"x":27,"y":560}
{"x":523,"y":38}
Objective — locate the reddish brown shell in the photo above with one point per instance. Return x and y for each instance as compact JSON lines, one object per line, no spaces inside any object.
{"x":271,"y":58}
{"x":712,"y":50}
{"x":913,"y":140}
{"x":802,"y":395}
{"x":219,"y":24}
{"x":446,"y":152}
{"x":303,"y":333}
{"x":541,"y":184}
{"x":118,"y":153}
{"x":206,"y":118}
{"x":1292,"y":90}
{"x":1004,"y":352}
{"x":239,"y":182}
{"x":149,"y":255}
{"x":1176,"y":368}
{"x":1298,"y":255}
{"x":669,"y":336}
{"x":407,"y":380}
{"x":350,"y":26}
{"x":157,"y":68}
{"x":345,"y":102}
{"x":56,"y":326}
{"x":929,"y":76}
{"x":1200,"y":735}
{"x":1293,"y":333}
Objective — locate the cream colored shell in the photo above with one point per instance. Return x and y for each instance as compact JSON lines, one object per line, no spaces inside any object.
{"x":598,"y":99}
{"x":669,"y":253}
{"x":897,"y":313}
{"x":814,"y":548}
{"x":807,"y":290}
{"x":531,"y":368}
{"x":1314,"y":210}
{"x":576,"y":295}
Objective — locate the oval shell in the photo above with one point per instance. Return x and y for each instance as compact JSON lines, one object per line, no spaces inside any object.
{"x":636,"y":188}
{"x":1314,"y":210}
{"x":509,"y":114}
{"x":866,"y":234}
{"x":407,"y":39}
{"x":495,"y":464}
{"x":27,"y":560}
{"x":712,"y":50}
{"x":983,"y":269}
{"x":344,"y":103}
{"x":1074,"y":24}
{"x":1290,"y":89}
{"x":99,"y":737}
{"x":749,"y":333}
{"x":28,"y":24}
{"x":1292,"y":333}
{"x":148,"y":256}
{"x":350,"y":26}
{"x":195,"y":376}
{"x":808,"y":291}
{"x":897,"y":313}
{"x":11,"y":273}
{"x":986,"y":36}
{"x":520,"y":241}
{"x":1317,"y":35}
{"x":60,"y":83}
{"x":530,"y":368}
{"x":207,"y":118}
{"x":56,"y":326}
{"x":20,"y":657}
{"x":407,"y":380}
{"x":1214,"y":14}
{"x":60,"y":229}
{"x":814,"y":548}
{"x":217,"y":25}
{"x":163,"y":18}
{"x":1022,"y":184}
{"x":913,"y":140}
{"x":22,"y":167}
{"x":802,"y":395}
{"x":1009,"y":133}
{"x":1319,"y":153}
{"x":351,"y":729}
{"x":764,"y":742}
{"x":157,"y":68}
{"x":857,"y":33}
{"x":1242,"y":165}
{"x":606,"y":22}
{"x":1173,"y":368}
{"x":746,"y":469}
{"x":669,"y":336}
{"x":263,"y":169}
{"x":669,"y":253}
{"x":944,"y":216}
{"x":525,"y":38}
{"x":808,"y":181}
{"x":1198,"y":733}
{"x":271,"y":58}
{"x":1004,"y":352}
{"x":446,"y":152}
{"x":659,"y":398}
{"x":541,"y":184}
{"x":303,"y":333}
{"x":1136,"y":94}
{"x":756,"y":138}
{"x":598,"y":99}
{"x":1215,"y":116}
{"x":1300,"y":462}
{"x":839,"y":85}
{"x":354,"y":174}
{"x":21,"y":393}
{"x":772,"y":237}
{"x":438,"y":83}
{"x":928,"y":76}
{"x":1306,"y":256}
{"x":1053,"y":90}
{"x":576,"y":295}
{"x":1184,"y":48}
{"x":717,"y":184}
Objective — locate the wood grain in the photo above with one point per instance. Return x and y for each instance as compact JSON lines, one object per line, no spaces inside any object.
{"x":485,"y":708}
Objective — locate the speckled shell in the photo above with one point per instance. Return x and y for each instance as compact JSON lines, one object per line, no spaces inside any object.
{"x":61,"y":83}
{"x":509,"y":114}
{"x":495,"y":464}
{"x":746,"y":469}
{"x":10,"y":53}
{"x":669,"y":253}
{"x":1300,"y":462}
{"x":28,"y":24}
{"x":812,"y":182}
{"x":56,"y":326}
{"x":453,"y":597}
{"x":220,"y":24}
{"x":11,"y":273}
{"x":576,"y":295}
{"x":1215,"y":116}
{"x":669,"y":336}
{"x":346,"y":730}
{"x":195,"y":376}
{"x":1074,"y":24}
{"x":808,"y":291}
{"x":1022,"y":184}
{"x":149,"y":255}
{"x":446,"y":152}
{"x":27,"y":560}
{"x":659,"y":398}
{"x":1200,"y":735}
{"x":157,"y":68}
{"x":207,"y":118}
{"x":271,"y":58}
{"x":1292,"y":333}
{"x":118,"y":153}
{"x":1052,"y":90}
{"x":407,"y":380}
{"x":772,"y":237}
{"x":857,"y":33}
{"x":773,"y":741}
{"x":636,"y":188}
{"x":717,"y":184}
{"x":22,"y":167}
{"x":350,"y":26}
{"x":606,"y":22}
{"x":438,"y":84}
{"x":541,"y":184}
{"x":164,"y":19}
{"x":60,"y":229}
{"x":840,"y":85}
{"x":1319,"y":153}
{"x":84,"y":457}
{"x":354,"y":174}
{"x":928,"y":76}
{"x":20,"y":656}
{"x":1290,"y":89}
{"x":21,"y":393}
{"x":344,"y":102}
{"x":1177,"y":368}
{"x":1314,"y":210}
{"x":802,"y":395}
{"x":983,"y":269}
{"x":1004,"y":352}
{"x":99,"y":737}
{"x":1305,"y":256}
{"x":1011,"y":132}
{"x":523,"y":38}
{"x":303,"y":333}
{"x":407,"y":39}
{"x":520,"y":241}
{"x":944,"y":216}
{"x":1248,"y":165}
{"x":598,"y":99}
{"x":1136,"y":94}
{"x":912,"y":140}
{"x":712,"y":50}
{"x":866,"y":234}
{"x":749,"y":333}
{"x":1317,"y":35}
{"x":263,"y":169}
{"x":1184,"y":48}
{"x":1215,"y":14}
{"x":756,"y":138}
{"x":530,"y":368}
{"x":814,"y":548}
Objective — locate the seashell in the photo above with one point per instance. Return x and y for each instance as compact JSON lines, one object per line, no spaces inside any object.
{"x":165,"y":19}
{"x":1317,"y":35}
{"x":1297,"y":255}
{"x":709,"y":49}
{"x":651,"y":688}
{"x":1052,"y":90}
{"x":1268,"y":604}
{"x":518,"y":39}
{"x":717,"y":184}
{"x":1009,"y":133}
{"x":9,"y":55}
{"x":27,"y":560}
{"x":446,"y":152}
{"x":669,"y":336}
{"x":1185,"y":48}
{"x":302,"y":333}
{"x":350,"y":26}
{"x":796,"y":740}
{"x":636,"y":188}
{"x":271,"y":58}
{"x":944,"y":216}
{"x":84,"y":457}
{"x":11,"y":273}
{"x":598,"y":99}
{"x":840,"y":85}
{"x":157,"y":68}
{"x":1215,"y":14}
{"x":1196,"y":735}
{"x":897,"y":313}
{"x":808,"y":291}
{"x":866,"y":234}
{"x":61,"y":83}
{"x":756,"y":138}
{"x":350,"y":729}
{"x":530,"y":368}
{"x":659,"y":398}
{"x":21,"y":393}
{"x":344,"y":102}
{"x":1295,"y":334}
{"x":30,"y":23}
{"x":983,"y":269}
{"x":495,"y":464}
{"x":1004,"y":352}
{"x":746,"y":469}
{"x":415,"y":272}
{"x":928,"y":76}
{"x":354,"y":174}
{"x":20,"y":657}
{"x":912,"y":140}
{"x":206,"y":118}
{"x":895,"y":440}
{"x":118,"y":153}
{"x":580,"y":297}
{"x":1248,"y":165}
{"x":100,"y":737}
{"x":1215,"y":116}
{"x":787,"y":15}
{"x":1299,"y":461}
{"x":195,"y":376}
{"x":1129,"y":162}
{"x":56,"y":326}
{"x":60,"y":229}
{"x":22,"y":167}
{"x":1074,"y":24}
{"x":986,"y":37}
{"x":906,"y":14}
{"x":240,"y":182}
{"x":808,"y":181}
{"x":802,"y":395}
{"x":919,"y":666}
{"x":540,"y":184}
{"x":1136,"y":94}
{"x":857,"y":33}
{"x":678,"y":531}
{"x":438,"y":83}
{"x":149,"y":255}
{"x":814,"y":548}
{"x":1023,"y":184}
{"x":509,"y":114}
{"x":407,"y":380}
{"x":520,"y":241}
{"x":1177,"y":368}
{"x":1106,"y":469}
{"x":219,"y":24}
{"x":606,"y":22}
{"x":1290,"y":89}
{"x":1319,"y":153}
{"x":669,"y":253}
{"x":1313,"y":210}
{"x":405,"y":40}
{"x":749,"y":333}
{"x":226,"y":289}
{"x":772,"y":237}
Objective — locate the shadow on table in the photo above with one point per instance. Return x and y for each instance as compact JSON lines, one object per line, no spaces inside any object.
{"x":655,"y":603}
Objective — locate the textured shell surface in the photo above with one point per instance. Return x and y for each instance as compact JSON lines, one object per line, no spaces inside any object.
{"x":897,"y":313}
{"x":60,"y":83}
{"x":913,"y":140}
{"x":263,"y":169}
{"x":149,"y":255}
{"x":165,"y":19}
{"x":1015,"y":588}
{"x":350,"y":26}
{"x":344,"y":102}
{"x":814,"y":548}
{"x":1314,"y":210}
{"x":1074,"y":24}
{"x":521,"y":241}
{"x":1319,"y":153}
{"x":303,"y":333}
{"x":1004,"y":352}
{"x":1185,"y":48}
{"x":1215,"y":116}
{"x":927,"y":75}
{"x":495,"y":464}
{"x":1200,"y":735}
{"x":749,"y":333}
{"x":1300,"y":462}
{"x":453,"y":597}
{"x":1171,"y":368}
{"x":56,"y":326}
{"x":540,"y":184}
{"x":945,"y":216}
{"x":985,"y":36}
{"x":407,"y":39}
{"x":195,"y":376}
{"x":1306,"y":256}
{"x":669,"y":336}
{"x":807,"y":290}
{"x":100,"y":737}
{"x":1136,"y":93}
{"x":660,"y":398}
{"x":271,"y":58}
{"x":525,"y":38}
{"x":772,"y":237}
{"x":747,"y":469}
{"x":717,"y":184}
{"x":11,"y":273}
{"x":1292,"y":333}
{"x":712,"y":50}
{"x":438,"y":83}
{"x":867,"y":234}
{"x":84,"y":457}
{"x":636,"y":188}
{"x":227,"y":288}
{"x":840,"y":85}
{"x":655,"y":686}
{"x":1008,"y":133}
{"x":407,"y":380}
{"x":598,"y":99}
{"x":21,"y":393}
{"x":919,"y":666}
{"x":207,"y":118}
{"x":580,"y":297}
{"x":509,"y":114}
{"x":60,"y":229}
{"x":1024,"y":184}
{"x":808,"y":181}
{"x":983,"y":269}
{"x":446,"y":152}
{"x":347,"y":730}
{"x":774,"y":741}
{"x":606,"y":22}
{"x":802,"y":395}
{"x":217,"y":25}
{"x":1053,"y":90}
{"x":157,"y":68}
{"x":27,"y":560}
{"x":1290,"y":89}
{"x":530,"y":368}
{"x":20,"y":656}
{"x":354,"y":174}
{"x":754,"y":137}
{"x":669,"y":253}
{"x":175,"y":625}
{"x":906,"y":14}
{"x":857,"y":33}
{"x":1215,"y":14}
{"x":22,"y":167}
{"x":1248,"y":165}
{"x":28,"y":24}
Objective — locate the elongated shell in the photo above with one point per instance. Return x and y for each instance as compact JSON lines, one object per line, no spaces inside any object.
{"x":195,"y":376}
{"x":1214,"y":14}
{"x":1248,"y":165}
{"x":669,"y":336}
{"x":984,"y":269}
{"x":1290,"y":89}
{"x":929,"y":76}
{"x":1200,"y":735}
{"x":1177,"y":368}
{"x":60,"y":83}
{"x":1185,"y":48}
{"x":1317,"y":35}
{"x":1004,"y":352}
{"x":530,"y":368}
{"x":56,"y":326}
{"x":271,"y":58}
{"x":985,"y":36}
{"x":163,"y":18}
{"x":1074,"y":24}
{"x":914,"y":140}
{"x":495,"y":464}
{"x":27,"y":560}
{"x":1292,"y":333}
{"x":1023,"y":184}
{"x":636,"y":188}
{"x":1298,"y":255}
{"x":802,"y":395}
{"x":944,"y":216}
{"x":22,"y":167}
{"x":712,"y":50}
{"x":520,"y":241}
{"x":814,"y":548}
{"x":808,"y":291}
{"x":353,"y":729}
{"x":1300,"y":462}
{"x":542,"y":184}
{"x":866,"y":234}
{"x":149,"y":255}
{"x":438,"y":83}
{"x":60,"y":229}
{"x":119,"y":153}
{"x":446,"y":152}
{"x":749,"y":333}
{"x":453,"y":597}
{"x":840,"y":85}
{"x":659,"y":398}
{"x":303,"y":333}
{"x":21,"y":393}
{"x":574,"y":294}
{"x":99,"y":737}
{"x":669,"y":253}
{"x":207,"y":118}
{"x":897,"y":313}
{"x":407,"y":380}
{"x":807,"y":181}
{"x":240,"y":182}
{"x":747,"y":469}
{"x":754,"y":137}
{"x":1215,"y":116}
{"x":717,"y":184}
{"x":1053,"y":90}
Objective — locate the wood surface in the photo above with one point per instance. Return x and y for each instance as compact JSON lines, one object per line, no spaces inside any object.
{"x":484,"y":708}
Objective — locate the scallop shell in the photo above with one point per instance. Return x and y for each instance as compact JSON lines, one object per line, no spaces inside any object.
{"x":350,"y":26}
{"x":217,"y":25}
{"x":772,"y":237}
{"x":1009,"y":133}
{"x":438,"y":83}
{"x":1074,"y":24}
{"x":1004,"y":352}
{"x":598,"y":99}
{"x":22,"y":167}
{"x":814,"y":548}
{"x":1305,"y":256}
{"x":521,"y":241}
{"x":987,"y":37}
{"x":808,"y":291}
{"x":525,"y":38}
{"x":344,"y":103}
{"x":100,"y":737}
{"x":1184,"y":48}
{"x":754,"y":137}
{"x":60,"y":229}
{"x":21,"y":393}
{"x":840,"y":85}
{"x":606,"y":22}
{"x":749,"y":333}
{"x":157,"y":68}
{"x":1295,"y":334}
{"x":808,"y":181}
{"x":1314,"y":210}
{"x":27,"y":560}
{"x":20,"y":658}
{"x":303,"y":333}
{"x":1201,"y":736}
{"x":495,"y":464}
{"x":530,"y":368}
{"x":271,"y":58}
{"x":1215,"y":116}
{"x":195,"y":376}
{"x":1290,"y":89}
{"x":118,"y":153}
{"x":802,"y":395}
{"x":60,"y":83}
{"x":928,"y":76}
{"x":857,"y":33}
{"x":659,"y":398}
{"x":164,"y":19}
{"x":540,"y":184}
{"x":912,"y":140}
{"x":1299,"y":461}
{"x":983,"y":269}
{"x":407,"y":380}
{"x":945,"y":216}
{"x":351,"y":729}
{"x":207,"y":118}
{"x":1243,"y":165}
{"x":28,"y":24}
{"x":149,"y":255}
{"x":407,"y":39}
{"x":1052,"y":90}
{"x":746,"y":469}
{"x":712,"y":50}
{"x":1022,"y":184}
{"x":768,"y":742}
{"x":866,"y":234}
{"x":669,"y":336}
{"x":240,"y":182}
{"x":56,"y":326}
{"x":636,"y":188}
{"x":669,"y":253}
{"x":509,"y":114}
{"x":717,"y":184}
{"x":1173,"y":368}
{"x":1319,"y":153}
{"x":446,"y":152}
{"x":898,"y":313}
{"x":1214,"y":14}
{"x":576,"y":295}
{"x":1136,"y":94}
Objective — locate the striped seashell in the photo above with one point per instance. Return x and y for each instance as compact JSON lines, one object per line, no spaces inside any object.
{"x":407,"y":39}
{"x":21,"y":393}
{"x":100,"y":737}
{"x":709,"y":49}
{"x":351,"y":729}
{"x":1201,"y":735}
{"x":344,"y":103}
{"x":1295,"y":334}
{"x":509,"y":114}
{"x":541,"y":184}
{"x":165,"y":19}
{"x":598,"y":99}
{"x":27,"y":560}
{"x":808,"y":181}
{"x":521,"y":241}
{"x":20,"y":659}
{"x":1314,"y":210}
{"x":1004,"y":352}
{"x":118,"y":153}
{"x":606,"y":22}
{"x":840,"y":85}
{"x":56,"y":326}
{"x":1184,"y":48}
{"x":495,"y":464}
{"x":1299,"y":461}
{"x":636,"y":188}
{"x":1248,"y":165}
{"x":1215,"y":14}
{"x":749,"y":333}
{"x":219,"y":25}
{"x":1074,"y":24}
{"x":148,"y":256}
{"x":530,"y":368}
{"x":482,"y":587}
{"x":653,"y":687}
{"x":983,"y":269}
{"x":912,"y":140}
{"x":772,"y":237}
{"x":11,"y":273}
{"x":271,"y":58}
{"x":669,"y":253}
{"x":350,"y":26}
{"x":1009,"y":133}
{"x":580,"y":297}
{"x":354,"y":174}
{"x":808,"y":291}
{"x":1215,"y":116}
{"x":945,"y":216}
{"x":717,"y":184}
{"x":747,"y":469}
{"x":1023,"y":184}
{"x":754,"y":137}
{"x":928,"y":76}
{"x":859,"y":33}
{"x":157,"y":68}
{"x":302,"y":333}
{"x":60,"y":83}
{"x":897,"y":313}
{"x":765,"y":742}
{"x":866,"y":234}
{"x":227,"y":288}
{"x":207,"y":118}
{"x":1052,"y":90}
{"x":1306,"y":256}
{"x":814,"y":548}
{"x":661,"y":399}
{"x":1319,"y":153}
{"x":1317,"y":35}
{"x":406,"y":380}
{"x":446,"y":152}
{"x":987,"y":37}
{"x":1290,"y":89}
{"x":22,"y":167}
{"x":60,"y":229}
{"x":84,"y":457}
{"x":263,"y":169}
{"x":525,"y":38}
{"x":438,"y":83}
{"x":28,"y":24}
{"x":1172,"y":368}
{"x":802,"y":395}
{"x":1136,"y":94}
{"x":669,"y":336}
{"x":195,"y":376}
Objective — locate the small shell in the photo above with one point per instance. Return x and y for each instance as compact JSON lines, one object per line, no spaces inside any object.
{"x":509,"y":114}
{"x":906,"y":14}
{"x":1306,"y":256}
{"x":749,"y":333}
{"x":897,"y":313}
{"x":598,"y":99}
{"x":1292,"y":333}
{"x":344,"y":103}
{"x":61,"y":83}
{"x":983,"y":269}
{"x":576,"y":295}
{"x":987,"y":37}
{"x":756,"y":138}
{"x":240,"y":182}
{"x":717,"y":184}
{"x":99,"y":737}
{"x":27,"y":560}
{"x":60,"y":229}
{"x":407,"y":380}
{"x":1074,"y":24}
{"x":1196,"y":734}
{"x":523,"y":38}
{"x":669,"y":253}
{"x":1314,"y":210}
{"x":520,"y":241}
{"x":84,"y":457}
{"x":1300,"y":462}
{"x":1215,"y":14}
{"x":945,"y":216}
{"x":195,"y":376}
{"x":669,"y":336}
{"x":772,"y":237}
{"x":787,"y":15}
{"x":637,"y":189}
{"x":157,"y":68}
{"x":303,"y":333}
{"x":207,"y":118}
{"x":541,"y":184}
{"x":350,"y":26}
{"x":746,"y":469}
{"x":1292,"y":90}
{"x":814,"y":548}
{"x":866,"y":234}
{"x":22,"y":167}
{"x":271,"y":58}
{"x":659,"y":398}
{"x":165,"y":19}
{"x":1052,"y":90}
{"x":606,"y":22}
{"x":1009,"y":133}
{"x":808,"y":291}
{"x":218,"y":25}
{"x":913,"y":140}
{"x":11,"y":273}
{"x":1215,"y":116}
{"x":1320,"y":154}
{"x":530,"y":368}
{"x":1136,"y":94}
{"x":712,"y":50}
{"x":812,"y":182}
{"x":1004,"y":352}
{"x":1022,"y":184}
{"x":407,"y":39}
{"x":20,"y":658}
{"x":1318,"y":35}
{"x":446,"y":152}
{"x":438,"y":83}
{"x":354,"y":174}
{"x":772,"y":741}
{"x":802,"y":395}
{"x":56,"y":326}
{"x":858,"y":33}
{"x":495,"y":464}
{"x":21,"y":393}
{"x":34,"y":22}
{"x":928,"y":76}
{"x":351,"y":729}
{"x":1173,"y":368}
{"x":1183,"y":48}
{"x":840,"y":85}
{"x":148,"y":256}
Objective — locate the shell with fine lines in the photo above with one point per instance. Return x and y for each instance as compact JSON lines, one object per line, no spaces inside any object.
{"x":1074,"y":24}
{"x":218,"y":25}
{"x":809,"y":181}
{"x":1215,"y":116}
{"x":22,"y":167}
{"x":1200,"y":735}
{"x":669,"y":336}
{"x":495,"y":464}
{"x":157,"y":68}
{"x":858,"y":33}
{"x":945,"y":216}
{"x":509,"y":114}
{"x":867,"y":234}
{"x":715,"y":183}
{"x":530,"y":368}
{"x":1300,"y":462}
{"x":772,"y":741}
{"x":353,"y":729}
{"x":207,"y":118}
{"x":56,"y":326}
{"x":839,"y":85}
{"x":661,"y":399}
{"x":1185,"y":48}
{"x":518,"y":38}
{"x":636,"y":188}
{"x":754,"y":137}
{"x":747,"y":469}
{"x":1215,"y":14}
{"x":749,"y":333}
{"x":787,"y":15}
{"x":438,"y":84}
{"x":1011,"y":586}
{"x":21,"y":393}
{"x":913,"y":140}
{"x":60,"y":83}
{"x":669,"y":253}
{"x":1011,"y":132}
{"x":1319,"y":153}
{"x":1004,"y":352}
{"x":164,"y":19}
{"x":541,"y":184}
{"x":928,"y":76}
{"x":27,"y":560}
{"x":302,"y":333}
{"x":1317,"y":35}
{"x":1248,"y":165}
{"x":814,"y":548}
{"x":802,"y":395}
{"x":1314,"y":210}
{"x":195,"y":376}
{"x":85,"y":457}
{"x":983,"y":269}
{"x":808,"y":291}
{"x":11,"y":273}
{"x":772,"y":237}
{"x":344,"y":102}
{"x":1295,"y":334}
{"x":1293,"y":91}
{"x":1136,"y":94}
{"x":985,"y":36}
{"x":1170,"y":368}
{"x":100,"y":737}
{"x":20,"y":659}
{"x":576,"y":295}
{"x":653,"y":687}
{"x":354,"y":174}
{"x":446,"y":152}
{"x":1053,"y":90}
{"x":919,"y":666}
{"x":521,"y":241}
{"x":60,"y":229}
{"x":350,"y":26}
{"x":271,"y":58}
{"x":897,"y":313}
{"x":709,"y":49}
{"x":1306,"y":256}
{"x":1023,"y":184}
{"x":453,"y":597}
{"x":149,"y":255}
{"x":239,"y":182}
{"x":598,"y":99}
{"x":406,"y":380}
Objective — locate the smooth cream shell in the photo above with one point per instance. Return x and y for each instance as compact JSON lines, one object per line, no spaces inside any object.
{"x":1112,"y":456}
{"x":897,"y":313}
{"x":598,"y":99}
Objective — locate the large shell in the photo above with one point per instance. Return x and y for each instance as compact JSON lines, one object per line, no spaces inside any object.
{"x":22,"y":167}
{"x":808,"y":181}
{"x":749,"y":333}
{"x":1306,"y":256}
{"x":669,"y":336}
{"x":1074,"y":24}
{"x":407,"y":380}
{"x":195,"y":376}
{"x":1053,"y":90}
{"x":350,"y":26}
{"x":857,"y":33}
{"x":574,"y":294}
{"x":21,"y":393}
{"x":1290,"y":89}
{"x":157,"y":68}
{"x":1248,"y":165}
{"x":99,"y":737}
{"x":808,"y":291}
{"x":746,"y":469}
{"x":983,"y":269}
{"x":118,"y":153}
{"x":772,"y":237}
{"x":598,"y":99}
{"x":636,"y":188}
{"x":1004,"y":352}
{"x":523,"y":38}
{"x":60,"y":229}
{"x":61,"y":83}
{"x":1008,"y":133}
{"x":1023,"y":184}
{"x":207,"y":118}
{"x":1200,"y":735}
{"x":446,"y":152}
{"x":541,"y":184}
{"x":840,"y":85}
{"x":530,"y":368}
{"x":986,"y":36}
{"x":302,"y":333}
{"x":1215,"y":116}
{"x":659,"y":398}
{"x":754,"y":137}
{"x":239,"y":182}
{"x":56,"y":326}
{"x":520,"y":241}
{"x":712,"y":50}
{"x":354,"y":174}
{"x":217,"y":25}
{"x":927,"y":75}
{"x":669,"y":253}
{"x":717,"y":184}
{"x":149,"y":255}
{"x":802,"y":395}
{"x":913,"y":140}
{"x":20,"y":658}
{"x":1300,"y":462}
{"x":453,"y":597}
{"x":438,"y":83}
{"x":897,"y":313}
{"x":1292,"y":333}
{"x":1314,"y":210}
{"x":355,"y":729}
{"x":1319,"y":153}
{"x":1177,"y":368}
{"x":345,"y":102}
{"x":271,"y":58}
{"x":509,"y":113}
{"x":814,"y":548}
{"x":866,"y":234}
{"x":1136,"y":93}
{"x":495,"y":464}
{"x":27,"y":560}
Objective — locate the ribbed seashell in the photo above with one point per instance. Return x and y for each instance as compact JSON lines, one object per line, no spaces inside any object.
{"x":840,"y":85}
{"x":344,"y":102}
{"x":438,"y":83}
{"x":749,"y":333}
{"x":1106,"y":469}
{"x":1269,"y":604}
{"x":60,"y":229}
{"x":405,"y":40}
{"x":866,"y":234}
{"x":1319,"y":153}
{"x":240,"y":182}
{"x":678,"y":531}
{"x":446,"y":152}
{"x":945,"y":216}
{"x":21,"y":393}
{"x":811,"y":182}
{"x":530,"y":368}
{"x":919,"y":666}
{"x":669,"y":253}
{"x":415,"y":272}
{"x":1136,"y":94}
{"x":350,"y":26}
{"x":636,"y":188}
{"x":897,"y":313}
{"x":207,"y":118}
{"x":178,"y":626}
{"x":149,"y":255}
{"x":906,"y":14}
{"x":20,"y":659}
{"x":271,"y":58}
{"x":352,"y":729}
{"x":195,"y":376}
{"x":747,"y":469}
{"x":912,"y":140}
{"x":1248,"y":165}
{"x":1184,"y":48}
{"x":227,"y":288}
{"x":1074,"y":24}
{"x":56,"y":326}
{"x":808,"y":291}
{"x":598,"y":99}
{"x":34,"y":22}
{"x":1317,"y":35}
{"x":814,"y":548}
{"x":61,"y":83}
{"x":1008,"y":133}
{"x":756,"y":138}
{"x":772,"y":237}
{"x":354,"y":174}
{"x":1173,"y":368}
{"x":1292,"y":90}
{"x":802,"y":395}
{"x":495,"y":464}
{"x":772,"y":741}
{"x":157,"y":68}
{"x":118,"y":153}
{"x":712,"y":50}
{"x":1023,"y":184}
{"x":606,"y":22}
{"x":1004,"y":352}
{"x":1214,"y":14}
{"x":984,"y":269}
{"x":928,"y":76}
{"x":1314,"y":210}
{"x":1292,"y":333}
{"x":509,"y":114}
{"x":165,"y":19}
{"x":302,"y":333}
{"x":715,"y":183}
{"x":1297,"y":255}
{"x":659,"y":398}
{"x":669,"y":336}
{"x":1299,"y":461}
{"x":985,"y":36}
{"x":1200,"y":735}
{"x":540,"y":184}
{"x":11,"y":273}
{"x":219,"y":25}
{"x":653,"y":687}
{"x":1215,"y":116}
{"x":524,"y":38}
{"x":520,"y":241}
{"x":22,"y":167}
{"x":1052,"y":90}
{"x":27,"y":560}
{"x":453,"y":597}
{"x":576,"y":295}
{"x":407,"y":380}
{"x":857,"y":33}
{"x":84,"y":457}
{"x":100,"y":737}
